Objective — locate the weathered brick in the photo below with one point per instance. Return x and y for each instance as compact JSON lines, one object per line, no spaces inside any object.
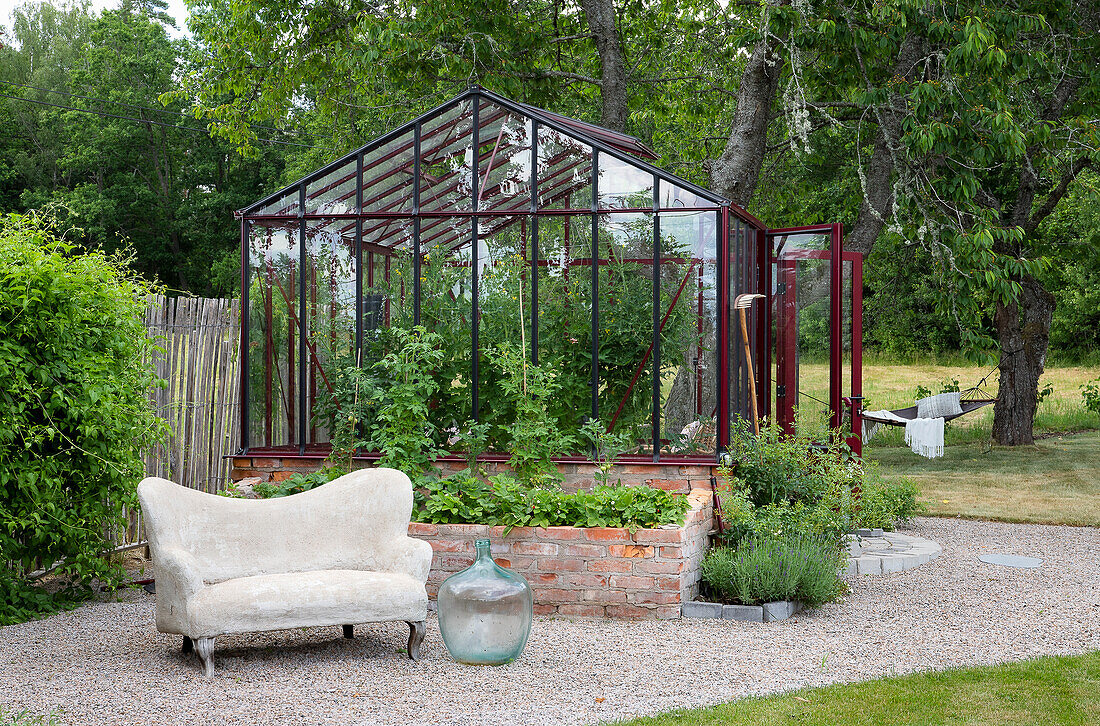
{"x":535,"y":548}
{"x":648,"y":536}
{"x":543,"y":578}
{"x":631,"y":582}
{"x":603,"y":595}
{"x":516,"y":562}
{"x":658,"y":567}
{"x":671,"y":552}
{"x":450,"y":545}
{"x":578,"y":610}
{"x":556,"y":595}
{"x":463,"y":530}
{"x":667,"y":583}
{"x":629,"y":551}
{"x":280,"y":475}
{"x":559,"y":533}
{"x":454,"y":563}
{"x":668,"y":612}
{"x":422,"y":529}
{"x":266,"y":463}
{"x":239,"y":474}
{"x":545,"y":609}
{"x":561,"y":564}
{"x":585,"y":579}
{"x":670,"y":485}
{"x":607,"y":534}
{"x":653,"y":598}
{"x":242,"y":462}
{"x":584,"y":550}
{"x":609,"y":565}
{"x":630,"y":611}
{"x":302,"y":464}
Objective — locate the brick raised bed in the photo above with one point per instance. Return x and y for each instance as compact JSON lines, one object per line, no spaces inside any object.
{"x":575,"y":572}
{"x":587,"y":572}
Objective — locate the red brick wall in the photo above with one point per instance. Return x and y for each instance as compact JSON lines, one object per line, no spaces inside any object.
{"x":587,"y":572}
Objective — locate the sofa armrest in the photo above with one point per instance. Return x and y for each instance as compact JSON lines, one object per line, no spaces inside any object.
{"x":407,"y":555}
{"x":178,"y":579}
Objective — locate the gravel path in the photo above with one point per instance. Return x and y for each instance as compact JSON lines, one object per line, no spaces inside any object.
{"x":106,"y":664}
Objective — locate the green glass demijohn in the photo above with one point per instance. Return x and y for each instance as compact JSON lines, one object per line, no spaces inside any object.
{"x":485,"y":612}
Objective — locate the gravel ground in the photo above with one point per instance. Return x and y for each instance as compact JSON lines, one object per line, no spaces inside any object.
{"x":105,"y":663}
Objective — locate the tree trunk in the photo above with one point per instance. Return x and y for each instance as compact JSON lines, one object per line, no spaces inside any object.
{"x":736,"y":172}
{"x":600,"y":15}
{"x":1023,"y":332}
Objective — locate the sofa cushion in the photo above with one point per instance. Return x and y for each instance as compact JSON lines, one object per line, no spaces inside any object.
{"x":303,"y":599}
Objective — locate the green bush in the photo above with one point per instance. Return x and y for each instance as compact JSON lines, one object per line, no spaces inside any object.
{"x":885,"y":505}
{"x":766,"y":568}
{"x":503,"y":500}
{"x":74,"y":389}
{"x":1090,"y":395}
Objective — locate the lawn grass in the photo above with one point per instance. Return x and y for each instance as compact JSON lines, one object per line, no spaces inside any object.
{"x":1059,"y":690}
{"x":1057,"y":481}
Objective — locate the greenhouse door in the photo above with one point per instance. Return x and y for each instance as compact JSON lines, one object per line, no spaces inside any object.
{"x":817,"y":319}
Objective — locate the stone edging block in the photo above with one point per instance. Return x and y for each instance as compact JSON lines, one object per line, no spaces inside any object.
{"x":766,"y":613}
{"x":890,"y":552}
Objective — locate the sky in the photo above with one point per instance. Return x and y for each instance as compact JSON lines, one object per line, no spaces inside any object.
{"x":176,"y":9}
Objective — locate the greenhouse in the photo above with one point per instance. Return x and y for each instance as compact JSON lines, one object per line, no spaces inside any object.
{"x":522,"y":238}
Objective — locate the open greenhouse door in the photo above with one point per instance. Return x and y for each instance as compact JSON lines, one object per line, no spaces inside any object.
{"x":817,"y":321}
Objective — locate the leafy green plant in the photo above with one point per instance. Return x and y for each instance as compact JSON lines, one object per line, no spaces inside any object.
{"x":504,"y":500}
{"x":26,"y":718}
{"x":74,"y":388}
{"x":1090,"y":395}
{"x":769,"y":568}
{"x":779,"y":468}
{"x":605,"y":447}
{"x":298,"y":482}
{"x":885,"y":505}
{"x":534,"y":436}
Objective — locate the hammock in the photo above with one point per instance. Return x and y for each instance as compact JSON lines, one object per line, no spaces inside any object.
{"x":910,"y":413}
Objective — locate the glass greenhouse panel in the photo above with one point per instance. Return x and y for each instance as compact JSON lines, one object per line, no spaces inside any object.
{"x":284,"y":205}
{"x":565,"y":171}
{"x":333,"y":193}
{"x":388,"y":176}
{"x":330,"y":321}
{"x":505,"y":159}
{"x":447,"y":161}
{"x":625,"y":330}
{"x":623,"y":186}
{"x":689,"y":315}
{"x":675,"y":197}
{"x":565,"y":317}
{"x":388,"y":271}
{"x":273,"y":327}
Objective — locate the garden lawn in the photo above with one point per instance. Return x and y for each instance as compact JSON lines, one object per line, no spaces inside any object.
{"x":1056,"y":481}
{"x":1061,"y":690}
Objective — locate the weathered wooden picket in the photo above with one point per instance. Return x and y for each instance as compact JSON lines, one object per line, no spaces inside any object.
{"x":198,"y":358}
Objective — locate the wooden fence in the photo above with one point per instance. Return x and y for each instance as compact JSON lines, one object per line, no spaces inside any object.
{"x":199,"y":341}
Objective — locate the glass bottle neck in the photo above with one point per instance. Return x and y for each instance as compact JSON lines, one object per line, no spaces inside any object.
{"x":482,"y":546}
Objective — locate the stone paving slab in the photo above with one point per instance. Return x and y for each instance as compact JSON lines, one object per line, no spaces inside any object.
{"x":889,"y":552}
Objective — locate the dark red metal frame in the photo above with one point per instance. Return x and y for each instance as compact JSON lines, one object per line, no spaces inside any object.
{"x":370,"y":232}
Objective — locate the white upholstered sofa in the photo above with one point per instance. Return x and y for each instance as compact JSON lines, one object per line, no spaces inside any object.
{"x":339,"y":554}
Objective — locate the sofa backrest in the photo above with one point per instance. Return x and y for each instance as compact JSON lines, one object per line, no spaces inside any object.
{"x":344,"y":524}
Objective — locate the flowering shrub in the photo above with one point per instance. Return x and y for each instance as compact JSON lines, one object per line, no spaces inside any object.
{"x":769,"y":568}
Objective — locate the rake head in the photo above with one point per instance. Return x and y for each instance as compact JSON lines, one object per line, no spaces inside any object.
{"x":745,"y":301}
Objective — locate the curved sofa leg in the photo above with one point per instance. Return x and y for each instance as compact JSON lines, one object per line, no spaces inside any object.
{"x":416,"y":637}
{"x":205,"y":649}
{"x":349,"y":631}
{"x":188,"y":645}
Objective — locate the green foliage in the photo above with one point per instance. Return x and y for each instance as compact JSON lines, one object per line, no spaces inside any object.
{"x":74,"y":387}
{"x":534,"y":434}
{"x":606,"y":447}
{"x":778,"y":468}
{"x":1090,"y":395}
{"x":884,"y":506}
{"x":764,"y":569}
{"x":504,"y":500}
{"x":26,"y":718}
{"x":297,"y":483}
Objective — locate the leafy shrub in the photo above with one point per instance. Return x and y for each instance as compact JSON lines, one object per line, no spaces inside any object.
{"x":768,"y":568}
{"x":298,"y":482}
{"x":74,"y":389}
{"x":885,"y":505}
{"x":503,"y":500}
{"x":1090,"y":395}
{"x":778,"y":468}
